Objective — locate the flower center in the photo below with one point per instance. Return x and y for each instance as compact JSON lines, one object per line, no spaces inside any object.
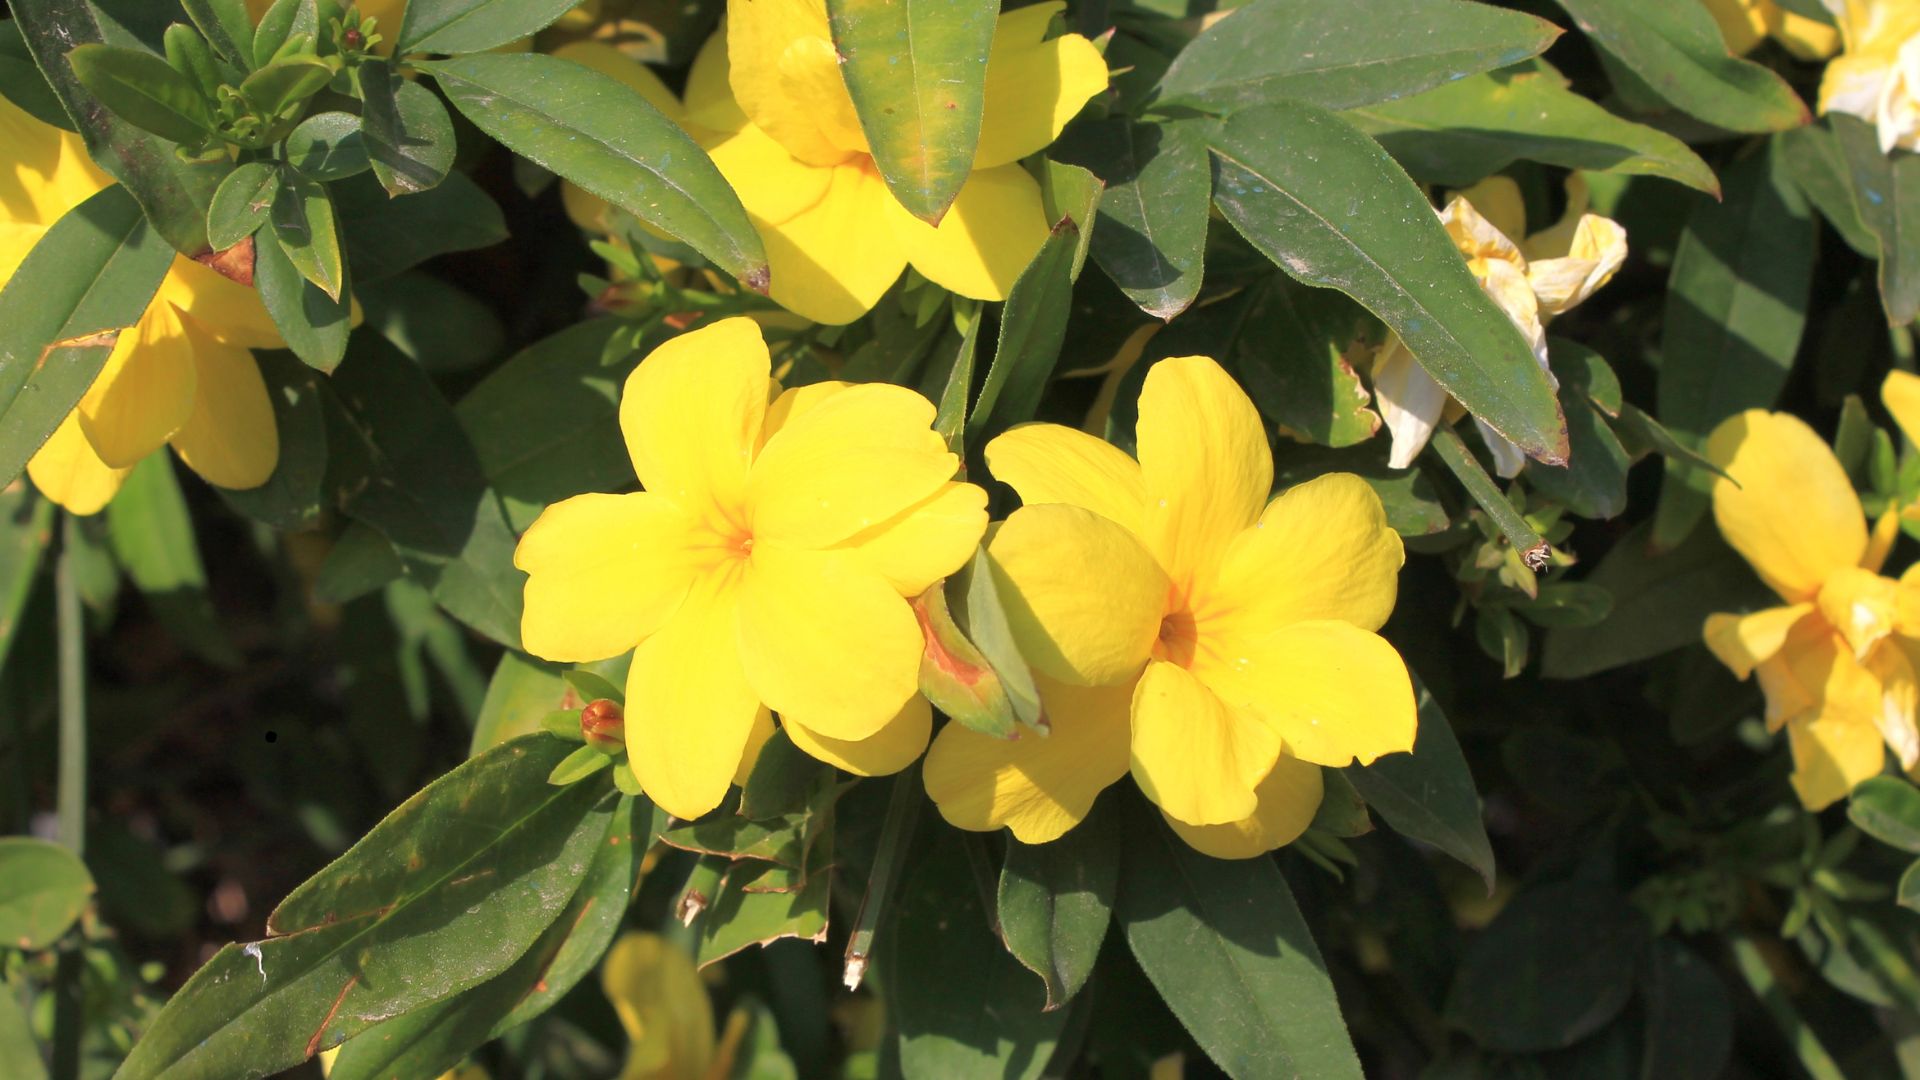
{"x":1179,"y":638}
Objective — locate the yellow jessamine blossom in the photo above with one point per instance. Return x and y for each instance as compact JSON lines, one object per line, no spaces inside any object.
{"x":766,"y":99}
{"x":765,"y":567}
{"x":1746,"y":23}
{"x":1833,"y":661}
{"x":1533,"y":280}
{"x":181,"y":375}
{"x":1876,"y":77}
{"x":656,"y":990}
{"x":1219,"y":646}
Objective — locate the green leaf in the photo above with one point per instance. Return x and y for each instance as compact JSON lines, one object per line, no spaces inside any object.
{"x":746,"y":912}
{"x":1157,"y":199}
{"x":577,"y":766}
{"x":241,"y":202}
{"x":916,"y":71}
{"x":1429,"y":795}
{"x":21,"y":82}
{"x":1677,"y":51}
{"x":991,"y":631}
{"x":1566,"y":603}
{"x":387,"y":236}
{"x":788,"y":840}
{"x":1886,"y":192}
{"x":294,"y":497}
{"x":782,"y":778}
{"x":19,"y":1053}
{"x":951,"y":419}
{"x":88,"y":277}
{"x":328,"y":146}
{"x":1816,"y":163}
{"x":277,"y":89}
{"x":1311,"y":51}
{"x":152,"y":539}
{"x":1907,"y":893}
{"x":603,"y":136}
{"x":1886,"y":808}
{"x":1689,"y":1025}
{"x":962,"y":1007}
{"x":361,"y":562}
{"x":1055,"y":901}
{"x":1593,"y":483}
{"x":444,"y":328}
{"x":1033,"y":326}
{"x":1556,"y":965}
{"x":303,"y":223}
{"x":594,"y":687}
{"x":227,"y":27}
{"x":468,"y":26}
{"x":144,"y":90}
{"x":188,"y":53}
{"x":1288,"y":344}
{"x":313,"y":324}
{"x":1330,"y":207}
{"x":43,"y":889}
{"x":429,"y":1041}
{"x":1462,"y":132}
{"x":1736,"y":308}
{"x":523,"y":692}
{"x":449,"y":890}
{"x":1224,"y":943}
{"x":26,"y":527}
{"x":408,"y":132}
{"x":282,"y":23}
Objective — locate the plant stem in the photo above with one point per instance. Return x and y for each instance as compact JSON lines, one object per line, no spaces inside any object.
{"x":903,"y":813}
{"x":1533,"y":550}
{"x":1806,"y":1044}
{"x":69,"y":1002}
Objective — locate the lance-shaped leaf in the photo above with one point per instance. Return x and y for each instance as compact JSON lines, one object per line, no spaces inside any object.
{"x":313,"y":324}
{"x":1033,"y":326}
{"x":1330,"y":207}
{"x":917,"y":72}
{"x":88,"y":278}
{"x":1886,"y":191}
{"x":1056,"y":899}
{"x":1429,"y":794}
{"x":449,"y":890}
{"x":241,"y":202}
{"x":1155,"y":206}
{"x":227,"y":27}
{"x":21,"y":82}
{"x":1312,"y":51}
{"x":303,"y":223}
{"x":602,"y":135}
{"x":465,"y":26}
{"x":144,"y":90}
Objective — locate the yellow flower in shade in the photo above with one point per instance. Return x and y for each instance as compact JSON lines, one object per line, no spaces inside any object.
{"x":1219,"y":646}
{"x":765,"y":567}
{"x":1833,"y":661}
{"x":1746,"y":23}
{"x":1532,"y":280}
{"x":767,"y":101}
{"x":656,"y":990}
{"x":1876,"y":77}
{"x":181,"y":375}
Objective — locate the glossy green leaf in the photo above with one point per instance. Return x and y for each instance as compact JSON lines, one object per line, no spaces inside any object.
{"x":449,"y":890}
{"x":1593,"y":482}
{"x":1813,"y":158}
{"x":1886,"y":192}
{"x":388,"y":236}
{"x":227,"y":27}
{"x":240,"y":204}
{"x":521,"y":693}
{"x":1224,"y":944}
{"x":1556,"y":965}
{"x":144,"y":90}
{"x":787,"y":840}
{"x":467,"y":26}
{"x":88,"y":277}
{"x":991,"y":631}
{"x":188,"y":53}
{"x":1887,"y":808}
{"x":1155,"y":205}
{"x":152,"y":538}
{"x":916,"y":70}
{"x":443,"y":327}
{"x":408,"y":133}
{"x":1907,"y":892}
{"x":1429,"y":794}
{"x":294,"y":497}
{"x":281,"y":23}
{"x":43,"y":889}
{"x":26,"y":528}
{"x":950,"y":421}
{"x":21,"y":82}
{"x":603,"y":136}
{"x":745,"y":913}
{"x":328,"y":146}
{"x":278,"y":89}
{"x":1055,"y":900}
{"x":1461,"y":132}
{"x":577,"y":766}
{"x":1069,"y":191}
{"x":1330,"y":207}
{"x":1288,"y":343}
{"x":1033,"y":326}
{"x":303,"y":223}
{"x":313,"y":324}
{"x":782,"y":779}
{"x":1736,"y":308}
{"x":1311,"y":51}
{"x":1677,"y":51}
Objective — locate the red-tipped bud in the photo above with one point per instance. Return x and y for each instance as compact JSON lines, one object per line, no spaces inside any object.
{"x":353,"y":38}
{"x":604,"y":726}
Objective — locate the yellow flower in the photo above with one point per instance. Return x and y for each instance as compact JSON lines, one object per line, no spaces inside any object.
{"x":1533,"y":280}
{"x":765,"y":567}
{"x":1876,"y":77}
{"x":657,"y":992}
{"x":1833,"y":661}
{"x":767,"y":101}
{"x":1219,"y":646}
{"x":181,"y":375}
{"x":1745,"y":23}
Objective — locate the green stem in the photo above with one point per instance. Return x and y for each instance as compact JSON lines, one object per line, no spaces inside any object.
{"x":896,"y":834}
{"x":1806,"y":1045}
{"x":1533,"y":550}
{"x":69,"y":1003}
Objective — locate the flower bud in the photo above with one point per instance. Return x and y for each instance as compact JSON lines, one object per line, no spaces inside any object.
{"x":604,"y":726}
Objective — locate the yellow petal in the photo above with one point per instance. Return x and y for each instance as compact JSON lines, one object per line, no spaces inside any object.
{"x":1322,"y":550}
{"x":827,"y":640}
{"x":1561,"y":282}
{"x":1743,"y":23}
{"x":1033,"y":87}
{"x":887,"y":751}
{"x":1806,"y":39}
{"x":1049,"y":463}
{"x":1860,"y":604}
{"x":657,"y":993}
{"x":1208,"y":469}
{"x":848,"y":464}
{"x":44,"y":171}
{"x":1794,"y":680}
{"x":832,"y":262}
{"x":1083,"y":598}
{"x":1831,"y":754}
{"x":230,"y":438}
{"x":228,"y":310}
{"x":144,"y":393}
{"x":603,"y":572}
{"x":1487,"y":218}
{"x":710,"y":105}
{"x":690,"y":711}
{"x":927,"y":541}
{"x":1744,"y":642}
{"x":1410,"y":401}
{"x":68,"y":472}
{"x":1901,"y":394}
{"x":1892,"y":666}
{"x":1035,"y":786}
{"x":994,"y":228}
{"x":691,"y":413}
{"x":1336,"y":693}
{"x":773,"y":185}
{"x":1194,"y":755}
{"x":785,"y":73}
{"x":1793,"y":514}
{"x":1289,"y":798}
{"x":757,"y":738}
